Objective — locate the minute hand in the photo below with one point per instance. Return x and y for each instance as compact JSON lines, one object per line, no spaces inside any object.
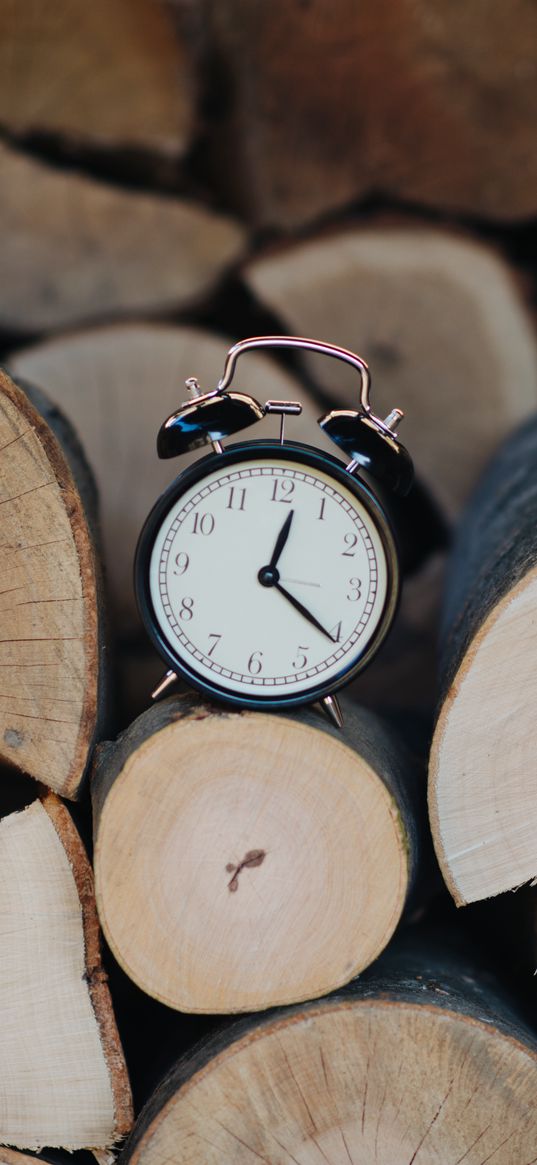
{"x":303,"y":611}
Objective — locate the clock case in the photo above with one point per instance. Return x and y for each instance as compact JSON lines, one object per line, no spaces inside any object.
{"x":378,"y":471}
{"x":234,"y":455}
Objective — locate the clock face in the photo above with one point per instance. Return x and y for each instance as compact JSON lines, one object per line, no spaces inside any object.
{"x":268,"y":577}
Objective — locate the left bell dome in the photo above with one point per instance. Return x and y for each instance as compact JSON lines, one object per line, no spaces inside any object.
{"x":207,"y":418}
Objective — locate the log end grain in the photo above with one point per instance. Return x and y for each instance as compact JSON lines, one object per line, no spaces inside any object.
{"x":140,"y":95}
{"x":136,"y":373}
{"x":78,"y":249}
{"x":245,"y":860}
{"x":50,"y":653}
{"x":481,"y":775}
{"x":371,"y":1079}
{"x":481,"y":782}
{"x":441,"y":323}
{"x":60,"y":1046}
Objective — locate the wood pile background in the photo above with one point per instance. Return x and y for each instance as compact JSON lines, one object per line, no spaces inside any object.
{"x":176,"y":175}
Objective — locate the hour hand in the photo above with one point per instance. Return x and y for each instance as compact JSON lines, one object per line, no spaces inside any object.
{"x":303,"y":610}
{"x":281,"y":539}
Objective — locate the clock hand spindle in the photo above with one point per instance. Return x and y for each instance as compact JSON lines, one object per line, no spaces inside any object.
{"x":303,"y":611}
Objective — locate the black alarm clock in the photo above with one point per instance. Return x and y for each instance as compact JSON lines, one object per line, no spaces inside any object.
{"x":267,"y":575}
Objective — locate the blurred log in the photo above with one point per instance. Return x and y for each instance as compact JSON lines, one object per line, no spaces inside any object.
{"x":75,"y":249}
{"x":63,"y":1077}
{"x":13,"y":1157}
{"x":323,"y":105}
{"x":244,"y":860}
{"x":423,"y":1059}
{"x":51,"y":650}
{"x":482,"y":795}
{"x":441,"y":323}
{"x":117,"y":385}
{"x":403,"y":676}
{"x":114,"y":75}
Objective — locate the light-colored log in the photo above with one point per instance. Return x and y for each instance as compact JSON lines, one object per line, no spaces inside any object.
{"x":419,"y":1062}
{"x":13,"y":1157}
{"x":114,"y":75}
{"x":51,"y":655}
{"x":63,"y":1080}
{"x":429,"y":102}
{"x":441,"y":323}
{"x":117,"y":385}
{"x":481,"y":782}
{"x":244,"y":860}
{"x":75,"y":249}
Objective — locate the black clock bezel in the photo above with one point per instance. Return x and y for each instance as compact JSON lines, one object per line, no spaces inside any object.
{"x":235,"y":454}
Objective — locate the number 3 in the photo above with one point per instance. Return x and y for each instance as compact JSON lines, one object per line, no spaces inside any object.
{"x":356,"y":585}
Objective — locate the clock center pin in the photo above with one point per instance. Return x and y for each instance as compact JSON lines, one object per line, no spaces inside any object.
{"x":269,"y":576}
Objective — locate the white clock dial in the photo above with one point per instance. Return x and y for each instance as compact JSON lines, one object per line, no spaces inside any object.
{"x":298,"y":625}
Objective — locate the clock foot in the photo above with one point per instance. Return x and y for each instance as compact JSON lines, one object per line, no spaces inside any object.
{"x":333,"y":710}
{"x":166,"y":682}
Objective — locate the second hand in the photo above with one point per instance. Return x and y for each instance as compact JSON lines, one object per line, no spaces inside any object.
{"x":301,"y":582}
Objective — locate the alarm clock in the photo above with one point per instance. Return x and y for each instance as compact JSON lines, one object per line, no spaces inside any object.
{"x":267,"y":575}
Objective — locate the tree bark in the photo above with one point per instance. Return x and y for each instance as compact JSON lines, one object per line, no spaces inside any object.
{"x":423,"y":1057}
{"x":481,"y":786}
{"x":244,"y":859}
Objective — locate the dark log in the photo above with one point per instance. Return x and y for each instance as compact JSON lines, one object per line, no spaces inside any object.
{"x":320,"y":106}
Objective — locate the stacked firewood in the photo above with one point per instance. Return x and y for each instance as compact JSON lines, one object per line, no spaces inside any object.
{"x":175,"y":175}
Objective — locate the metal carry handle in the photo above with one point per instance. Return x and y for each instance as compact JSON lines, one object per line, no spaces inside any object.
{"x":298,"y":342}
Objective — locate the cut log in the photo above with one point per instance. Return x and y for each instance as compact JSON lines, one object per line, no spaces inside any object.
{"x":75,"y":249}
{"x":96,"y":74}
{"x":245,"y":859}
{"x":482,"y":794}
{"x":117,"y":385}
{"x":63,"y":1077}
{"x":51,"y":634}
{"x":434,"y":104}
{"x":441,"y":323}
{"x":423,"y":1060}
